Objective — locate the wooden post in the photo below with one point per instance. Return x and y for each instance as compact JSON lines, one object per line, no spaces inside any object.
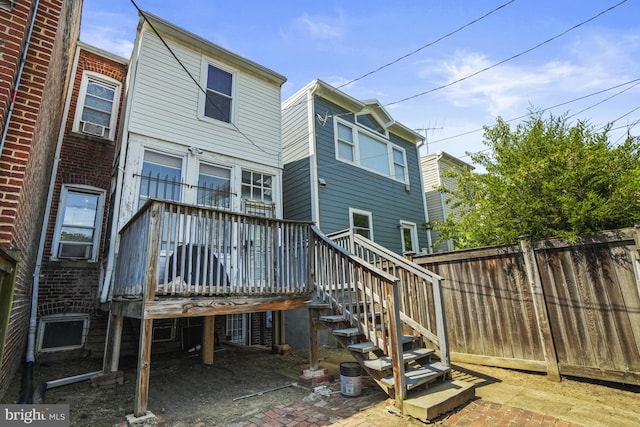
{"x":441,"y":320}
{"x":208,"y":339}
{"x":540,"y":308}
{"x":392,"y":297}
{"x":144,"y":368}
{"x":314,"y":352}
{"x":111,"y":357}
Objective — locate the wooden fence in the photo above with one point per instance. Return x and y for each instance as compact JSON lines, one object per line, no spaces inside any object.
{"x":549,"y":306}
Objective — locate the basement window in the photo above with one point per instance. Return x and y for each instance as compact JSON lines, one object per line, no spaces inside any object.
{"x":6,"y":4}
{"x":62,"y":332}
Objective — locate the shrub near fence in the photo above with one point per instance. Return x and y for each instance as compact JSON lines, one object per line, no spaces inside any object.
{"x":550,"y":306}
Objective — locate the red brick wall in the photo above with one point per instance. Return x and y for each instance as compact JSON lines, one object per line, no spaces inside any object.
{"x":72,"y":287}
{"x":27,"y":157}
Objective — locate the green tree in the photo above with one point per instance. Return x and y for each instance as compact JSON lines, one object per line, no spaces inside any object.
{"x":544,"y":178}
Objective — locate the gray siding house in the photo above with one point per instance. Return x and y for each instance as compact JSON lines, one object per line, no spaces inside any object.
{"x":433,"y":166}
{"x":349,"y":164}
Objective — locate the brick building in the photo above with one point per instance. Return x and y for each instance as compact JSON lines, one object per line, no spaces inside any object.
{"x":37,"y":41}
{"x":69,"y":316}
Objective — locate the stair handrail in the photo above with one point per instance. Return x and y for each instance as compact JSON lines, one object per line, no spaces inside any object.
{"x":351,"y":239}
{"x":390,"y":302}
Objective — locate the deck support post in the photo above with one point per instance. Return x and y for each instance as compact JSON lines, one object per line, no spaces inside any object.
{"x":208,"y":339}
{"x":278,"y":341}
{"x":111,"y":357}
{"x":314,"y":356}
{"x":144,"y":368}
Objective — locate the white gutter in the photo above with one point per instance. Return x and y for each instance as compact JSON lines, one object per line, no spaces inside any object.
{"x":105,"y":294}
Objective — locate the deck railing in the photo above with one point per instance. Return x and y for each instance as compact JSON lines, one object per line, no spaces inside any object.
{"x":419,"y":290}
{"x":173,"y":249}
{"x":366,"y":295}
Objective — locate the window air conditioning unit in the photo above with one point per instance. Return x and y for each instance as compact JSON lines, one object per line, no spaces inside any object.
{"x":93,"y":129}
{"x":74,"y":250}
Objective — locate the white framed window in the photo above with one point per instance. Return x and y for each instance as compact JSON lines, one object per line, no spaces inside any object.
{"x":257,"y":186}
{"x":217,"y":101}
{"x":160,"y":178}
{"x":369,"y":150}
{"x":96,"y":111}
{"x":214,"y":186}
{"x":361,"y":222}
{"x":77,"y":233}
{"x":409,"y":236}
{"x":236,"y":328}
{"x":61,"y":332}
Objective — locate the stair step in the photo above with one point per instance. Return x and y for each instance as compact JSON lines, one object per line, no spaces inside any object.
{"x":385,"y":362}
{"x":363,"y":347}
{"x":348,"y":332}
{"x":422,"y":375}
{"x":333,"y":319}
{"x":318,"y":305}
{"x":438,"y":399}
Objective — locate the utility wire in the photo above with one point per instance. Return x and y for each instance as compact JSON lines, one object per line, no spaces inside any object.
{"x":425,"y":46}
{"x":508,"y":59}
{"x":144,"y":16}
{"x":636,"y":81}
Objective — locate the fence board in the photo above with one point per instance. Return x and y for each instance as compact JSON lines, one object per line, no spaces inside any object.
{"x":589,"y":295}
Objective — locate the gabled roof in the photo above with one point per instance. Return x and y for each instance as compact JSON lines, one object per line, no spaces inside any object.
{"x":208,"y":48}
{"x":448,"y":158}
{"x":372,"y":106}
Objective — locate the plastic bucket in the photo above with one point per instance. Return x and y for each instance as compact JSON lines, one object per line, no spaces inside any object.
{"x":350,"y":379}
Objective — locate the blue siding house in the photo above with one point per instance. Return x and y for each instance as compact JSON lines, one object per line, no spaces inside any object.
{"x":349,"y":164}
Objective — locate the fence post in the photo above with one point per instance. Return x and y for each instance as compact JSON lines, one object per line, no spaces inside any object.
{"x":441,"y":318}
{"x":540,"y":309}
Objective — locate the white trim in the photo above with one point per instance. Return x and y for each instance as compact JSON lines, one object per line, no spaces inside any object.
{"x":412,"y":226}
{"x":204,"y":74}
{"x":363,"y":213}
{"x":60,"y":318}
{"x":80,"y":104}
{"x":62,"y":205}
{"x":313,"y":160}
{"x":357,"y":161}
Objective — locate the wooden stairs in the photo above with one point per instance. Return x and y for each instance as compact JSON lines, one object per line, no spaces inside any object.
{"x":387,"y":312}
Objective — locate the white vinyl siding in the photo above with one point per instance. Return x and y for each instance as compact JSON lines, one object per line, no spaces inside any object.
{"x":165,"y":102}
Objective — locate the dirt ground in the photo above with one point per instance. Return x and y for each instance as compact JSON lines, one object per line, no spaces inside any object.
{"x":184,"y":392}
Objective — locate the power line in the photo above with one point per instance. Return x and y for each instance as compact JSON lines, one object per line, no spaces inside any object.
{"x":425,"y":46}
{"x":508,"y":59}
{"x":636,"y":81}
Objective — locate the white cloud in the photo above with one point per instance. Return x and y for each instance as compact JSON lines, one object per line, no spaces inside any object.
{"x":317,"y":27}
{"x":98,"y":30}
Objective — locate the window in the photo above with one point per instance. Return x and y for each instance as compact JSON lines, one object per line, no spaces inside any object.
{"x":409,"y":237}
{"x":369,"y":151}
{"x":161,"y":177}
{"x":345,"y":143}
{"x":217,"y":104}
{"x":257,"y":186}
{"x":399,"y":164}
{"x":360,"y":222}
{"x":79,"y":220}
{"x":214,"y":186}
{"x":368,"y":121}
{"x":237,"y":328}
{"x":62,"y":332}
{"x":97,"y":103}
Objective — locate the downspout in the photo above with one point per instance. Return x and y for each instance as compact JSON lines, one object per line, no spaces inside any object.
{"x":26,"y":392}
{"x":23,"y":59}
{"x":424,"y":199}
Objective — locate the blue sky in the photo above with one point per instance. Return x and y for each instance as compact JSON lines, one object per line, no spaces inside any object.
{"x":338,"y":41}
